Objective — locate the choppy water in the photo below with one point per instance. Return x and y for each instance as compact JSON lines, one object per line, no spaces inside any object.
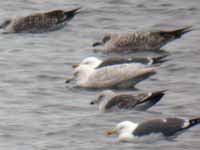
{"x":38,"y":111}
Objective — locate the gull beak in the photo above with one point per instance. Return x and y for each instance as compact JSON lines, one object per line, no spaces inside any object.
{"x":75,"y":65}
{"x":92,"y":103}
{"x":1,"y":25}
{"x":95,"y":101}
{"x":68,"y":80}
{"x":110,"y":132}
{"x":96,"y":44}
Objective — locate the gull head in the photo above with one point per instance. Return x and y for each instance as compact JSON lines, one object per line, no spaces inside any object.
{"x":124,"y":130}
{"x":5,"y":23}
{"x":105,"y":39}
{"x":82,"y":73}
{"x":103,"y":97}
{"x":92,"y":62}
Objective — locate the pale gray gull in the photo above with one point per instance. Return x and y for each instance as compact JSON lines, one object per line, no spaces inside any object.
{"x":139,"y":41}
{"x":152,"y":130}
{"x":117,"y":76}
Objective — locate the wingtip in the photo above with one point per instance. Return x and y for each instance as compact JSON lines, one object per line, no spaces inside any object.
{"x":160,"y":59}
{"x":73,"y":11}
{"x":153,"y":69}
{"x":176,"y":33}
{"x":181,"y":31}
{"x":187,"y":29}
{"x":76,"y":10}
{"x":163,"y":91}
{"x":151,"y":99}
{"x":193,"y":122}
{"x":159,"y":93}
{"x":147,"y":72}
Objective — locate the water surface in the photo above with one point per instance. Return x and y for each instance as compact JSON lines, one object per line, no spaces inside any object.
{"x":39,"y":112}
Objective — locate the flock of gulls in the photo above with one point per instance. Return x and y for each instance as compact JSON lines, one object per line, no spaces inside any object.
{"x":115,"y":72}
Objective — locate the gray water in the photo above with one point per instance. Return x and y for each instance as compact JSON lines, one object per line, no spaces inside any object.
{"x":39,"y":112}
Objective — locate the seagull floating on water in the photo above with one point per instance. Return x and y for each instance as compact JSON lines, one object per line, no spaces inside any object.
{"x":139,"y":41}
{"x":39,"y":22}
{"x":152,"y":130}
{"x":109,"y":101}
{"x":97,"y":63}
{"x":117,"y":76}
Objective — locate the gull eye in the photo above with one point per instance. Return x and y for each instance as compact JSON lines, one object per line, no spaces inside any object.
{"x":76,"y":74}
{"x":120,"y":128}
{"x":101,"y":96}
{"x":87,"y":62}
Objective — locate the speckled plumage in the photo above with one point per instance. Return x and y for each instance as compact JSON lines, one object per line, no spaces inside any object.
{"x":109,"y":100}
{"x":139,"y":41}
{"x":39,"y":22}
{"x":117,"y":76}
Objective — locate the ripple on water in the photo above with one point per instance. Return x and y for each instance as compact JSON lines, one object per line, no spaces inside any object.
{"x":38,"y":111}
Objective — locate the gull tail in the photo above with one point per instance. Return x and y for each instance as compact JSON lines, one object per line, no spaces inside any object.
{"x":145,"y":73}
{"x":150,"y":100}
{"x":71,"y":13}
{"x":193,"y":122}
{"x":175,"y":34}
{"x":159,"y":59}
{"x":150,"y":71}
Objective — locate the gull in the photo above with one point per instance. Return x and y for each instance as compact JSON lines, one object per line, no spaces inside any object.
{"x":39,"y":22}
{"x":95,"y":62}
{"x":138,"y":40}
{"x":117,"y":76}
{"x":152,"y":129}
{"x":109,"y":101}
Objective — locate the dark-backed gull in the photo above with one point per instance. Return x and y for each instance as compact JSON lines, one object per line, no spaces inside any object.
{"x":139,"y":41}
{"x":39,"y":22}
{"x":153,"y":129}
{"x":108,"y":100}
{"x":98,"y":63}
{"x":117,"y":76}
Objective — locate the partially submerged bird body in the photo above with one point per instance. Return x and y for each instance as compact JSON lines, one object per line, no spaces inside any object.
{"x":139,"y":41}
{"x":38,"y":22}
{"x":121,"y":60}
{"x":94,"y":62}
{"x":118,"y":76}
{"x":163,"y":128}
{"x":109,"y":101}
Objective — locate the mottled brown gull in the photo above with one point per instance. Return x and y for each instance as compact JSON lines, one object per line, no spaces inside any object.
{"x":117,"y":76}
{"x":152,"y":130}
{"x":95,"y":62}
{"x":39,"y":22}
{"x":139,"y":41}
{"x":108,"y":100}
